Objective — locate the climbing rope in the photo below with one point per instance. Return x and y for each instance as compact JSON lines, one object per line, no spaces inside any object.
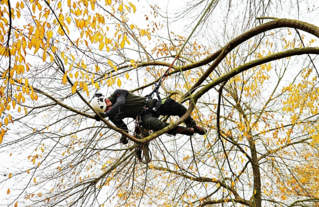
{"x":159,"y":82}
{"x":142,"y":151}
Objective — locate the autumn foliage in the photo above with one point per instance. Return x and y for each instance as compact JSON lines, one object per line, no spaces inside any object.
{"x":252,"y":86}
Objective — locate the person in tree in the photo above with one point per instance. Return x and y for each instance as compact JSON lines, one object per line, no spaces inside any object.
{"x":123,"y":104}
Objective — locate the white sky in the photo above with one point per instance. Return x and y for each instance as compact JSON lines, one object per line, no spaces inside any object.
{"x":142,"y":10}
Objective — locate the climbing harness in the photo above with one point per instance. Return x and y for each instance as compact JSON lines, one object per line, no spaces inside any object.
{"x":150,"y":103}
{"x":142,"y":151}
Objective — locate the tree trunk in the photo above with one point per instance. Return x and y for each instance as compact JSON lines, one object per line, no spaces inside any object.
{"x":256,"y":198}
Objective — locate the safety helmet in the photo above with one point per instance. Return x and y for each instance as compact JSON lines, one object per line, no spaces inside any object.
{"x":98,"y":102}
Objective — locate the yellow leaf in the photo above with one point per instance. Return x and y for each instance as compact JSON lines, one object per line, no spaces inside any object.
{"x":44,"y":57}
{"x":122,"y":43}
{"x":51,"y":58}
{"x":10,"y":175}
{"x":16,"y":204}
{"x":1,"y":138}
{"x":101,"y":46}
{"x":13,"y":104}
{"x":148,"y":35}
{"x":33,"y":8}
{"x":142,"y":32}
{"x":64,"y":79}
{"x":121,"y":8}
{"x":132,"y":26}
{"x":133,"y":63}
{"x":109,"y":2}
{"x":92,"y":81}
{"x":127,"y":75}
{"x":19,"y":44}
{"x":83,"y":65}
{"x":69,"y":3}
{"x":39,"y":6}
{"x":127,"y":8}
{"x":68,"y":19}
{"x":54,"y":49}
{"x":109,"y":82}
{"x":8,"y":191}
{"x":24,"y":44}
{"x":37,"y":46}
{"x":119,"y":83}
{"x":49,"y":34}
{"x":35,"y":96}
{"x":92,"y":6}
{"x":19,"y":109}
{"x":97,"y":85}
{"x":76,"y":74}
{"x":28,"y":171}
{"x":73,"y":89}
{"x":6,"y":121}
{"x":19,"y":14}
{"x":109,"y":62}
{"x":66,"y":60}
{"x":34,"y":180}
{"x":133,"y":6}
{"x":62,"y":55}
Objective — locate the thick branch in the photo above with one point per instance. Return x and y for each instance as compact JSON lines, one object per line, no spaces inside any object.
{"x":247,"y":66}
{"x":221,"y":54}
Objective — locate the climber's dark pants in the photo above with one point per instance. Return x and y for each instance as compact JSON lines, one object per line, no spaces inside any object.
{"x":170,"y":107}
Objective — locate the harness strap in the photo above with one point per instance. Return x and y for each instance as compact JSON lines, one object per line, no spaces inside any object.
{"x":153,"y":105}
